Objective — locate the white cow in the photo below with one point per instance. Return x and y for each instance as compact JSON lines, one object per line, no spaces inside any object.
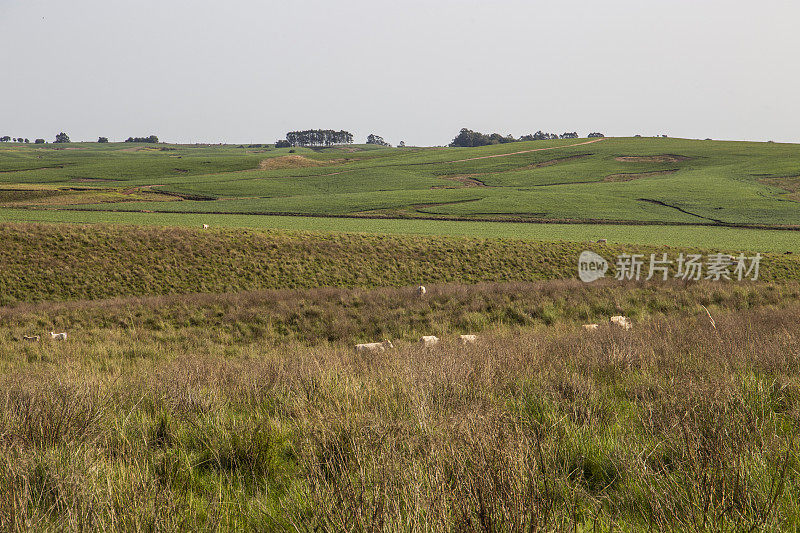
{"x":374,"y":347}
{"x":421,"y":291}
{"x":590,"y":327}
{"x":621,"y":321}
{"x":58,"y":336}
{"x":429,"y":340}
{"x":467,"y":339}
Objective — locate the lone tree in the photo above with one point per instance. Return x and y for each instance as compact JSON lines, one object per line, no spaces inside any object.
{"x":376,"y":139}
{"x":62,"y":138}
{"x":39,"y":141}
{"x":102,"y":139}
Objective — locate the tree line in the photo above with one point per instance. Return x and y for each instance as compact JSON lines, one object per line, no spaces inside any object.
{"x":64,"y":138}
{"x":150,"y":139}
{"x":315,"y":138}
{"x":469,"y":138}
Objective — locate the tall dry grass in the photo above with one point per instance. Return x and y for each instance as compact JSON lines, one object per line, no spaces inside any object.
{"x":674,"y":425}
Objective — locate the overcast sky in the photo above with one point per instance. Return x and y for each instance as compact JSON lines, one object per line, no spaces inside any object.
{"x":249,"y":71}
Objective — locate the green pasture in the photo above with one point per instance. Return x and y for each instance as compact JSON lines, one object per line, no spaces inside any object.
{"x":636,"y":180}
{"x":708,"y":237}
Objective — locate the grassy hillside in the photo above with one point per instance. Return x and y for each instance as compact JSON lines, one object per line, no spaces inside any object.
{"x":251,"y":411}
{"x":617,"y":179}
{"x":67,"y":262}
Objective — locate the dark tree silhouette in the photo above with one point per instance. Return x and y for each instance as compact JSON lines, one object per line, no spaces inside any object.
{"x":62,"y":138}
{"x":319,"y":137}
{"x":376,"y":139}
{"x":102,"y":139}
{"x":151,"y":139}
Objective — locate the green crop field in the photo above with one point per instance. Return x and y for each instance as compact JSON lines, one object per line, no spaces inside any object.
{"x":707,"y":237}
{"x":656,"y":180}
{"x":654,"y":190}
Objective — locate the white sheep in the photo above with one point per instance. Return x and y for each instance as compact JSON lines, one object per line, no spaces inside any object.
{"x":421,"y":291}
{"x":205,"y":226}
{"x":590,"y":327}
{"x":621,"y":321}
{"x":374,"y":347}
{"x":58,"y":336}
{"x":467,"y":339}
{"x":429,"y":340}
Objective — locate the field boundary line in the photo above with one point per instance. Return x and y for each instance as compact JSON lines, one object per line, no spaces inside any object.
{"x":524,"y":151}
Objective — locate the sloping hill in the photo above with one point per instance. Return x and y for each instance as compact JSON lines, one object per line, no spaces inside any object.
{"x":634,"y":180}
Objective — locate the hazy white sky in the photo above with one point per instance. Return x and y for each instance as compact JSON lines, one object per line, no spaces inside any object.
{"x":249,"y":71}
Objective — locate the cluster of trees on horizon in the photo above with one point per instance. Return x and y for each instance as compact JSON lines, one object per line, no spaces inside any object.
{"x":64,"y":138}
{"x":151,"y":139}
{"x":315,"y":138}
{"x":465,"y":138}
{"x":376,"y":139}
{"x":469,"y":138}
{"x":6,"y":138}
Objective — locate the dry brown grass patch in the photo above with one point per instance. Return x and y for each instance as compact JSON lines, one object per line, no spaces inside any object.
{"x":295,"y":161}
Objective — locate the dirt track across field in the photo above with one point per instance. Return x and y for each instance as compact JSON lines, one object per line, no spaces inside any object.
{"x":526,"y":151}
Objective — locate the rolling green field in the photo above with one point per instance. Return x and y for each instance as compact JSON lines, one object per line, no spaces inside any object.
{"x":711,"y":238}
{"x":636,"y":180}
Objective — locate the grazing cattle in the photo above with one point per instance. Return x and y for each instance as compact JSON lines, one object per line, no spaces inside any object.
{"x":621,"y":321}
{"x":58,"y":336}
{"x":590,"y":327}
{"x":602,"y":241}
{"x":429,"y":340}
{"x":31,"y":338}
{"x":374,"y":347}
{"x":467,"y":339}
{"x":421,"y":291}
{"x":205,"y":226}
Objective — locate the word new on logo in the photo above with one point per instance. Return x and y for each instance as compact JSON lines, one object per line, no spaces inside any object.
{"x":591,"y":266}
